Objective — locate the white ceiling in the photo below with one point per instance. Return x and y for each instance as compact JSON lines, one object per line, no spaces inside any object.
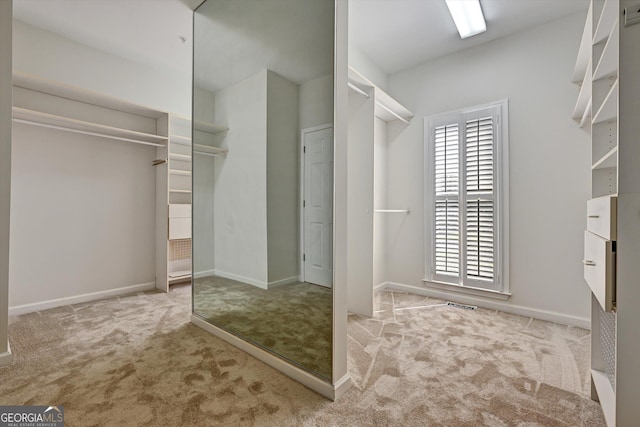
{"x":394,"y":34}
{"x":146,"y":31}
{"x":236,"y":39}
{"x":399,"y":34}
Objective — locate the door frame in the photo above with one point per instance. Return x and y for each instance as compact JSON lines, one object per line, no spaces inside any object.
{"x":303,"y":133}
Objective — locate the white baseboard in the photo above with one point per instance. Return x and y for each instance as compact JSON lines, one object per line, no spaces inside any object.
{"x":381,"y":287}
{"x":550,"y":316}
{"x":285,"y":281}
{"x":247,"y":280}
{"x":341,"y":386}
{"x":204,"y":273}
{"x":76,"y":299}
{"x":5,"y":357}
{"x":238,"y":278}
{"x":316,"y":384}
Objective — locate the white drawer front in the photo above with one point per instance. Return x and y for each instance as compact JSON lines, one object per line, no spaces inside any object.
{"x":179,"y":228}
{"x":179,"y":211}
{"x":602,"y":216}
{"x":599,"y":268}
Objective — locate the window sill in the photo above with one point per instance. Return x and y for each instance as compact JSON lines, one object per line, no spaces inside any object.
{"x":467,"y":290}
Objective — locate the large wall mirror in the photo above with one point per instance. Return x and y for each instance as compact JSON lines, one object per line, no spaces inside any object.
{"x":263,"y":174}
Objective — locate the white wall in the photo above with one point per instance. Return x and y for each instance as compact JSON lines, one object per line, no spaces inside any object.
{"x":282,"y":178}
{"x":360,"y":184}
{"x":53,"y":57}
{"x":240,"y":204}
{"x":380,"y":202}
{"x":366,"y":67}
{"x":316,"y":102}
{"x":79,"y":225}
{"x":6,"y":8}
{"x":549,"y":162}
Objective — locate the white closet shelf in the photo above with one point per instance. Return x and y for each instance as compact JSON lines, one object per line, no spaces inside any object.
{"x":608,"y":63}
{"x":180,"y":157}
{"x":180,"y":140}
{"x":357,"y":90}
{"x":31,"y":82}
{"x":387,"y":108}
{"x":52,"y":121}
{"x":609,"y":160}
{"x":175,"y":190}
{"x":584,"y":53}
{"x":607,"y":20}
{"x":179,"y":172}
{"x":584,"y":96}
{"x":609,"y":108}
{"x":183,"y":143}
{"x":586,"y":117}
{"x":209,"y":150}
{"x":182,"y":274}
{"x":209,"y":127}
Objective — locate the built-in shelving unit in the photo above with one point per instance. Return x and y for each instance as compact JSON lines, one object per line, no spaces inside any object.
{"x":612,"y":238}
{"x":386,"y":108}
{"x":373,"y":112}
{"x":70,"y":117}
{"x":173,"y":201}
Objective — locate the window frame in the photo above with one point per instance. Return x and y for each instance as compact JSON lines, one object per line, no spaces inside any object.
{"x":500,"y":285}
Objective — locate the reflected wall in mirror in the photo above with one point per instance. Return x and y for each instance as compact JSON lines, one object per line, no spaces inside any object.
{"x":263,"y":174}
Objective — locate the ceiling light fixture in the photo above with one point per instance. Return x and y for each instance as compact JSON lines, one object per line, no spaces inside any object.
{"x":468,"y":17}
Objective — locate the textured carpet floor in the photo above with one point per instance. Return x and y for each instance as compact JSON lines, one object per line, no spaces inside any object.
{"x":291,"y":320}
{"x":137,"y":361}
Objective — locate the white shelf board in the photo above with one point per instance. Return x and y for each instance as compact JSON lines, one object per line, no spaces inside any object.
{"x":180,"y":140}
{"x":387,"y":108}
{"x":609,"y":108}
{"x":357,"y":90}
{"x":179,"y":119}
{"x":607,"y":20}
{"x":606,"y":396}
{"x":29,"y":81}
{"x":209,"y":150}
{"x":89,"y":128}
{"x":182,"y":274}
{"x":358,"y":79}
{"x":180,"y":157}
{"x":175,"y":190}
{"x":586,"y":116}
{"x":609,"y":160}
{"x":608,"y":64}
{"x":184,"y":143}
{"x":584,"y":96}
{"x":584,"y":53}
{"x":209,"y":127}
{"x":179,"y":172}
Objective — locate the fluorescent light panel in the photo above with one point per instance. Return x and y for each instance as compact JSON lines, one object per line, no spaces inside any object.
{"x":468,"y":17}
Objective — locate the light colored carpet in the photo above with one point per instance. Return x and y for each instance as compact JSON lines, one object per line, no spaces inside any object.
{"x":137,"y":361}
{"x":292,"y":320}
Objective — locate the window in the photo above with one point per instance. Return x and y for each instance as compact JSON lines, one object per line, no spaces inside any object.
{"x":466,"y":185}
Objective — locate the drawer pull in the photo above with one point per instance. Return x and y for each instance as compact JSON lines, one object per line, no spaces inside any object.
{"x":594,"y":216}
{"x":588,"y":262}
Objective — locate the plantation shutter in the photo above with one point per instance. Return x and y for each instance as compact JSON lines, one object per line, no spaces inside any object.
{"x":447,"y":204}
{"x":464,"y":215}
{"x":479,"y":188}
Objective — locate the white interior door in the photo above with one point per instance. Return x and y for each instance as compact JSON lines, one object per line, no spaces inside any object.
{"x":318,"y":205}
